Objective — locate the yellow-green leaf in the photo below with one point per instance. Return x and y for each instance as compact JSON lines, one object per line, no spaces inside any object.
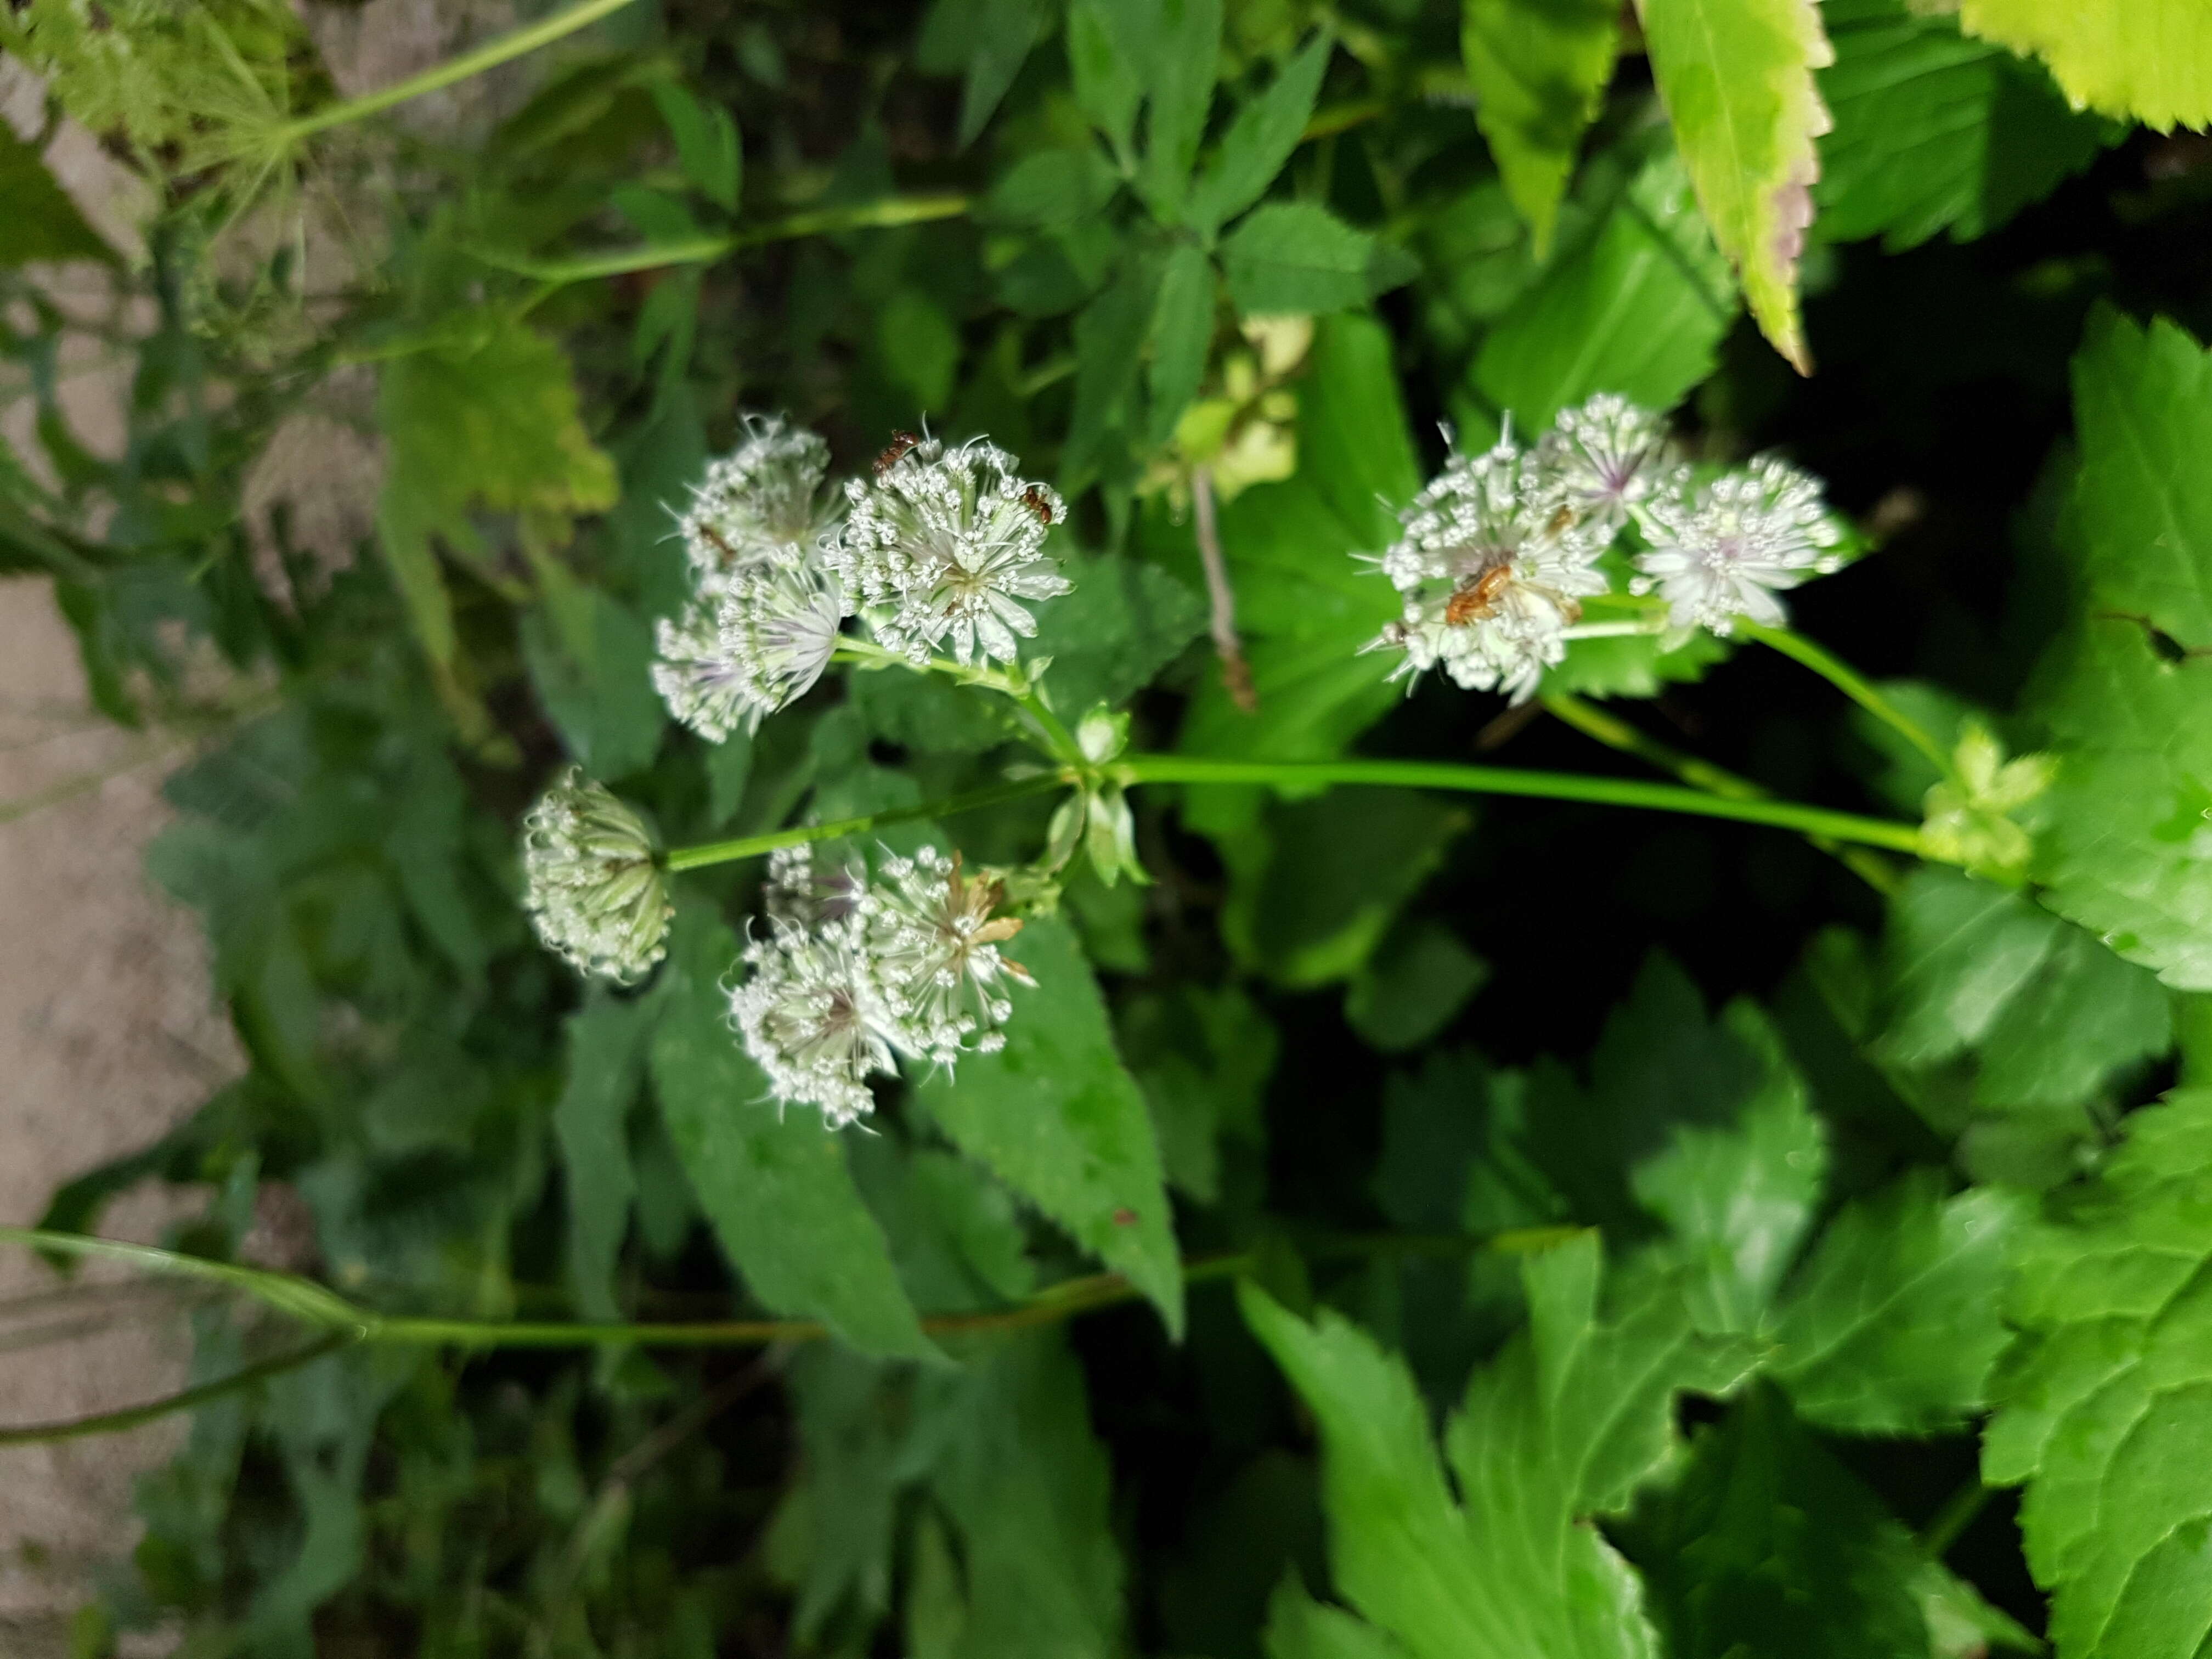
{"x":2143,"y":60}
{"x":1736,"y":76}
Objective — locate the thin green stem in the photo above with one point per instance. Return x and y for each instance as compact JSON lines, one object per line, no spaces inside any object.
{"x":882,"y":215}
{"x":80,"y":1428}
{"x":751,"y":846}
{"x":1848,"y":681}
{"x":1504,"y":780}
{"x":516,"y":43}
{"x":1957,"y":1514}
{"x":1617,"y":733}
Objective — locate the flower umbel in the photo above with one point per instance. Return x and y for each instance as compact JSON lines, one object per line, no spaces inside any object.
{"x":1493,"y":564}
{"x":808,"y":1017}
{"x":596,"y":892}
{"x":763,"y":497}
{"x":1727,"y":551}
{"x":936,"y":943}
{"x":1606,"y":455}
{"x":948,"y":545}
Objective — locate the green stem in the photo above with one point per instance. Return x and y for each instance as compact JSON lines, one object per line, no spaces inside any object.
{"x":750,"y":847}
{"x":1617,"y":733}
{"x":517,"y":43}
{"x":80,"y":1428}
{"x":1957,"y":1514}
{"x":1504,"y":780}
{"x":1848,"y":681}
{"x":890,"y":211}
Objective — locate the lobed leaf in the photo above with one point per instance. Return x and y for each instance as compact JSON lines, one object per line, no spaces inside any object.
{"x":1539,"y":70}
{"x":2145,"y":60}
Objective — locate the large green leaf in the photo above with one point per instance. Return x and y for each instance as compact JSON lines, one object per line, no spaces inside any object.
{"x":2143,"y":60}
{"x":1027,"y":1484}
{"x":2126,"y":695}
{"x":1057,"y":1117}
{"x":2104,"y":1407}
{"x":772,"y":1181}
{"x":1768,"y":1545}
{"x":1892,"y":1326}
{"x":1639,"y":308}
{"x":1297,"y":256}
{"x":607,"y":1063}
{"x":1935,"y":131}
{"x":1260,"y":141}
{"x":1736,"y":76}
{"x":1576,"y":1414}
{"x":1540,"y":68}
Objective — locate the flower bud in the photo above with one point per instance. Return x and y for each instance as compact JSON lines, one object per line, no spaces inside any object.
{"x":597,"y":893}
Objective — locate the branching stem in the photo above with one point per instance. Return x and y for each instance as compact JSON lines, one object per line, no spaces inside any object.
{"x":751,"y":846}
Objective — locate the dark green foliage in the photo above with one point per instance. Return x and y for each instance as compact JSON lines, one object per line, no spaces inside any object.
{"x":1642,"y":1224}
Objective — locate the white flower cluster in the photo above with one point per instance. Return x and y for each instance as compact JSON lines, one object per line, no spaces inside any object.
{"x":949,"y":545}
{"x":596,"y":891}
{"x":1500,"y":550}
{"x":943,"y":546}
{"x":855,"y":971}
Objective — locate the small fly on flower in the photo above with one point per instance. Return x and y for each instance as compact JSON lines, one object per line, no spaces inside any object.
{"x":895,"y":452}
{"x":1478,"y":596}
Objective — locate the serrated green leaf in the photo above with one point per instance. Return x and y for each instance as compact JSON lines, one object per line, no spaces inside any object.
{"x":1639,"y":309}
{"x":1892,"y":1325}
{"x":1109,"y":339}
{"x":1028,"y":1486}
{"x":1184,"y":38}
{"x":2126,"y":701}
{"x":1736,"y":76}
{"x":1737,"y":1200}
{"x":1109,"y":86}
{"x":1936,"y":132}
{"x":2148,"y":60}
{"x":1957,"y":952}
{"x":42,"y":222}
{"x":1053,"y":187}
{"x":606,"y":1042}
{"x":1297,"y":256}
{"x":1566,"y":1424}
{"x":773,"y":1184}
{"x":1539,"y":70}
{"x":2105,"y":1407}
{"x":1259,"y":142}
{"x":1057,"y":1117}
{"x":1767,"y":1544}
{"x":1181,"y":335}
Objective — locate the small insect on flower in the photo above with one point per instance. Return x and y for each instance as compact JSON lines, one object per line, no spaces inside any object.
{"x":947,"y":547}
{"x":1727,"y":551}
{"x":897,"y":451}
{"x":596,"y":891}
{"x":763,"y":498}
{"x":1493,"y":564}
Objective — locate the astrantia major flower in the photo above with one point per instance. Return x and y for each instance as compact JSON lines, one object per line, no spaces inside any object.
{"x":1725,"y":551}
{"x":808,"y":1013}
{"x":1606,"y":455}
{"x":948,"y":545}
{"x":1493,"y":565}
{"x":764,"y":497}
{"x":596,"y":891}
{"x":753,"y":643}
{"x":935,"y":940}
